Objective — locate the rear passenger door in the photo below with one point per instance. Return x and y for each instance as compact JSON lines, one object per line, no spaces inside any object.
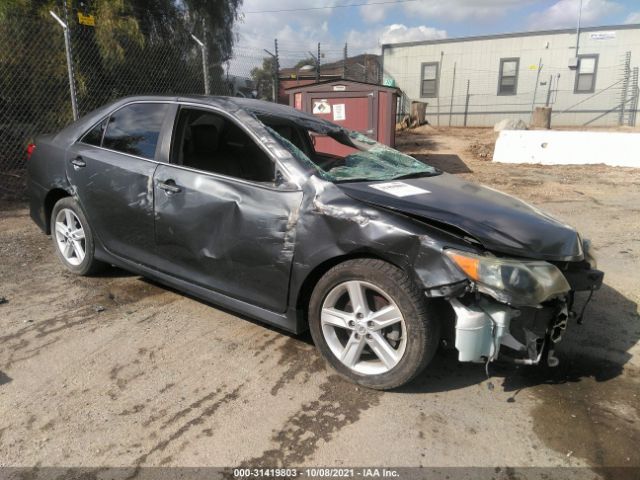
{"x":111,"y":168}
{"x":222,"y":222}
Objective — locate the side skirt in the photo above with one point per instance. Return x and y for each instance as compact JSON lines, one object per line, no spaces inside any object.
{"x":286,"y":321}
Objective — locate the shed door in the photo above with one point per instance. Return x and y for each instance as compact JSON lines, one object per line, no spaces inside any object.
{"x":353,"y":111}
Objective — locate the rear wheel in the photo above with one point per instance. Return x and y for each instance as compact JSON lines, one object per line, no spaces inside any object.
{"x":73,"y":238}
{"x":372,"y":323}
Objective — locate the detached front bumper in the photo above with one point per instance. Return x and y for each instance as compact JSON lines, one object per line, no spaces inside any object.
{"x":486,"y":329}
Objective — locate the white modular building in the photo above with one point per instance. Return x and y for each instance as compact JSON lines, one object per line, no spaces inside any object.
{"x":588,"y":77}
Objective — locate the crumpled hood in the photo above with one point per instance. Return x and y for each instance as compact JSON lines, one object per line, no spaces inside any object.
{"x":502,"y":223}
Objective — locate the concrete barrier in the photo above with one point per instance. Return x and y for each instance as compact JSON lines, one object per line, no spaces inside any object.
{"x":568,"y":148}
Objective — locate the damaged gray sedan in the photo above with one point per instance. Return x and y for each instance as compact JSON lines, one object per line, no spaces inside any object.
{"x":299,"y":223}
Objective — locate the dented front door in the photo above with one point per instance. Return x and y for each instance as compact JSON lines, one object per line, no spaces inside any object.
{"x":231,"y":236}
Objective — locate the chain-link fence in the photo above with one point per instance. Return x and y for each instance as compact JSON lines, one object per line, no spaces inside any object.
{"x":124,"y":59}
{"x":468,"y":96}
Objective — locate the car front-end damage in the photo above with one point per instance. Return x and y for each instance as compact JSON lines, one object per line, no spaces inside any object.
{"x":516,"y":309}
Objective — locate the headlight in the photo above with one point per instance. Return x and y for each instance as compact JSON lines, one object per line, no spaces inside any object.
{"x":521,"y":283}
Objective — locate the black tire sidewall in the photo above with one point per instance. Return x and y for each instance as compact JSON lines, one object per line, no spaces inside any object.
{"x":422,"y":329}
{"x":88,"y":264}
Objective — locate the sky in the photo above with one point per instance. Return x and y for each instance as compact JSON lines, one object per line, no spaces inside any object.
{"x":370,"y":23}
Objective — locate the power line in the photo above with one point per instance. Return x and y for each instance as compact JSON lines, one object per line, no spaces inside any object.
{"x":330,"y":7}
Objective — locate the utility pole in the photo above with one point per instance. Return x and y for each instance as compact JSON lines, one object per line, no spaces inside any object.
{"x":344,"y":63}
{"x":318,"y":65}
{"x":578,"y":28}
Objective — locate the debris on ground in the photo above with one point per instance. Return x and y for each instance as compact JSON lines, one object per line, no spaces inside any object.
{"x":482,"y":151}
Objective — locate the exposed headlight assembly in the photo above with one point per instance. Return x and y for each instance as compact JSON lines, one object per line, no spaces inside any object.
{"x":515,"y":282}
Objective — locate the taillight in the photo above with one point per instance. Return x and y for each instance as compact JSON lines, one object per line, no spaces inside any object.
{"x":30,"y":148}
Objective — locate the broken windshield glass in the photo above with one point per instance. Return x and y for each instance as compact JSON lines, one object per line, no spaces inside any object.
{"x":343,"y":155}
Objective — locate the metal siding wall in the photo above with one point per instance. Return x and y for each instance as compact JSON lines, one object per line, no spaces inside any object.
{"x":478,"y":61}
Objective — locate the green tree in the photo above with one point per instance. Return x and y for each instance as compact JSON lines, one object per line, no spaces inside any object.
{"x":263,"y":78}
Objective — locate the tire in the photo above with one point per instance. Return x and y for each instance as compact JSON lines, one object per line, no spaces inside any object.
{"x":74,"y":246}
{"x":384,"y":290}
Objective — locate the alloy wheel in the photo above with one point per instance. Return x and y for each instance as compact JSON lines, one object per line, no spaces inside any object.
{"x":70,"y":237}
{"x":363,"y":327}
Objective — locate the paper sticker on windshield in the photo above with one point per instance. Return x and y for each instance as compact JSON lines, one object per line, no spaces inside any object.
{"x":399,"y":189}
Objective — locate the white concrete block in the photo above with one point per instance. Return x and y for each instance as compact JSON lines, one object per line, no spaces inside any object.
{"x":550,"y":147}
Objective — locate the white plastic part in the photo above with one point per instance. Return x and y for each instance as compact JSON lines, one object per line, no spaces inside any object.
{"x":480,"y":329}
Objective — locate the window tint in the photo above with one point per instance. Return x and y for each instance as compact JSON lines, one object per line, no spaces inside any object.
{"x":206,"y":141}
{"x":94,"y":136}
{"x":586,"y":74}
{"x":429,"y":80}
{"x":135,"y":129}
{"x":508,"y":82}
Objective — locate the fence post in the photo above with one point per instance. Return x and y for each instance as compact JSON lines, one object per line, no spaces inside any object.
{"x":453,"y":86}
{"x":276,"y":75}
{"x":205,"y":70}
{"x":634,"y":104}
{"x":67,"y":48}
{"x":466,"y":104}
{"x":535,"y":90}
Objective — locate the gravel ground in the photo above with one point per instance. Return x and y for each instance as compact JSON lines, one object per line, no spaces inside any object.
{"x":116,"y":370}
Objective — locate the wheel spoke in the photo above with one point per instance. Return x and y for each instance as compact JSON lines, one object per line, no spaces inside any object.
{"x":352,"y":350}
{"x":336,"y":318}
{"x":71,"y":224}
{"x":385,"y":317}
{"x":383,"y":350}
{"x":357,"y":297}
{"x":61,"y":228}
{"x":68,"y":250}
{"x":77,"y":248}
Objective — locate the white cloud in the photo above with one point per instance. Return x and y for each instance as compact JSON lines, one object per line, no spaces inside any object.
{"x":564,"y":13}
{"x":397,"y":33}
{"x":296,"y":31}
{"x":371,"y":40}
{"x":373,"y":13}
{"x":633,"y":17}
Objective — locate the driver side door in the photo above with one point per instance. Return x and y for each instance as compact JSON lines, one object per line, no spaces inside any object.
{"x":220,"y":220}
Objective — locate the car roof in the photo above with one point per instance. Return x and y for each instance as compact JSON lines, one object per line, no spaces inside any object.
{"x":260,"y":108}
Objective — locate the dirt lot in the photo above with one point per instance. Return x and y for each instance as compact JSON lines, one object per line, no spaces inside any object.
{"x":116,"y":370}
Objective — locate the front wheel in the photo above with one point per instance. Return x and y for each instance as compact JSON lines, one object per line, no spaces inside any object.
{"x":372,"y":324}
{"x":73,"y":238}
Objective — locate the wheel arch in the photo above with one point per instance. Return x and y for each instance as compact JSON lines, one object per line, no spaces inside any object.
{"x":52,"y":197}
{"x":311,"y":279}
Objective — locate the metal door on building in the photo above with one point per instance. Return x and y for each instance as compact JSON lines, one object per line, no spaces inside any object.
{"x":352,"y":110}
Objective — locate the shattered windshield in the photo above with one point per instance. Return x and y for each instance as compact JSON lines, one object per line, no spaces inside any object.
{"x":375,"y":161}
{"x":345,"y":156}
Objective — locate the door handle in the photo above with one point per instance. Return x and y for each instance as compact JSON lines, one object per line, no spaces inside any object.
{"x":78,"y":162}
{"x":169,"y":186}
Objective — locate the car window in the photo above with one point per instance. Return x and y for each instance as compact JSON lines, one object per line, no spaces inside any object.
{"x":135,"y":129}
{"x":94,"y":136}
{"x":210,"y":142}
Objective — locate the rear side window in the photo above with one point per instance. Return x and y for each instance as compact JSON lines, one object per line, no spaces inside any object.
{"x":94,"y":136}
{"x":135,"y":129}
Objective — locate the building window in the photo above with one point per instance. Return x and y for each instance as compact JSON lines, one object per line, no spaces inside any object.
{"x":508,"y":81}
{"x":586,"y":74}
{"x":429,"y":80}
